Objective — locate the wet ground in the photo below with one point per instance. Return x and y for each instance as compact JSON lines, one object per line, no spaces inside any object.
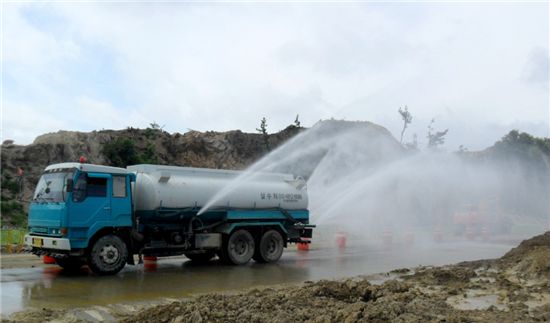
{"x":49,"y":287}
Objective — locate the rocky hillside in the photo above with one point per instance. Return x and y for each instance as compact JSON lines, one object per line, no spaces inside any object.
{"x":21,"y":166}
{"x":227,"y":150}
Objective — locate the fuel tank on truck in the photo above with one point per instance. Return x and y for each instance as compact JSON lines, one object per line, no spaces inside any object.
{"x":173,"y":187}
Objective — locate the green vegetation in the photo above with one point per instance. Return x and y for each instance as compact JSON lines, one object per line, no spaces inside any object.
{"x":10,"y":185}
{"x":122,"y":152}
{"x":435,"y":138}
{"x":13,"y":213}
{"x":263,"y":131}
{"x":153,"y":129}
{"x":522,"y":145}
{"x":522,"y":141}
{"x":12,"y":236}
{"x":149,"y":155}
{"x":297,"y":122}
{"x":407,"y":119}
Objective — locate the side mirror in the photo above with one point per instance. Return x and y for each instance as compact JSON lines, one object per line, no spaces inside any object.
{"x":69,"y":185}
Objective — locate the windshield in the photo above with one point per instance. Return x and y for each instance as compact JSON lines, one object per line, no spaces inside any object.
{"x":51,"y":187}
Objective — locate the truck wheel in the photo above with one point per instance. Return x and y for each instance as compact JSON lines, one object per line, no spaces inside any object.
{"x":108,"y":255}
{"x":70,"y":264}
{"x":271,"y":247}
{"x":200,"y":257}
{"x":238,"y":249}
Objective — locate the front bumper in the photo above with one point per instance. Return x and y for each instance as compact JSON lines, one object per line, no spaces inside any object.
{"x":47,"y":242}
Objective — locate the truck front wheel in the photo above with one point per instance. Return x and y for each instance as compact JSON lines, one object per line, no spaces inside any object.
{"x":108,"y":255}
{"x":271,"y":247}
{"x":238,"y":249}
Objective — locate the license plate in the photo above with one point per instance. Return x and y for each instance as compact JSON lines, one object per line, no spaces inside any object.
{"x":37,"y":242}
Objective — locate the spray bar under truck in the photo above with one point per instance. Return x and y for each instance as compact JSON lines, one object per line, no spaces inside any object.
{"x":102,"y":216}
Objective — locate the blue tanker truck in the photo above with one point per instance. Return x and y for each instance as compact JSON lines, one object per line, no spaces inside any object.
{"x":101,"y":216}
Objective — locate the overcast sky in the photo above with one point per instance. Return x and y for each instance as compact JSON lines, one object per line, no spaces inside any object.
{"x":478,"y":69}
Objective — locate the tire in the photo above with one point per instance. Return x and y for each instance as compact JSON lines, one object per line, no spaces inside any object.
{"x":70,"y":264}
{"x":270,"y":248}
{"x":108,"y":255}
{"x":238,"y":249}
{"x":200,"y":257}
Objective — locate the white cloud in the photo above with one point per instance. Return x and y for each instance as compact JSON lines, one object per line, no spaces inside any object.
{"x":22,"y":123}
{"x":224,"y":66}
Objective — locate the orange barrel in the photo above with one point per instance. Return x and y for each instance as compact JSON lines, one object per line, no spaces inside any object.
{"x":341,"y":239}
{"x":304,"y":246}
{"x":48,"y":260}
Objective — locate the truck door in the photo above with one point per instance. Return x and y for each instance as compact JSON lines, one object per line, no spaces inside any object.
{"x":121,"y":203}
{"x":91,"y":202}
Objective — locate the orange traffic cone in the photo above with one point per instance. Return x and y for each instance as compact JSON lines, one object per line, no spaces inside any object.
{"x":341,"y":239}
{"x":304,"y":246}
{"x":48,"y":260}
{"x":150,"y":263}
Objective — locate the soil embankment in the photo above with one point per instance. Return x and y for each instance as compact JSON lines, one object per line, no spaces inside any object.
{"x":513,"y":288}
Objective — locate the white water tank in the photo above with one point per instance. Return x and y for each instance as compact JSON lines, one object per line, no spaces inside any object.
{"x":183,"y":187}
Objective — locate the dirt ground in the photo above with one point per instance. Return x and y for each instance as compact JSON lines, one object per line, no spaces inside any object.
{"x":19,"y":260}
{"x":514,"y":288}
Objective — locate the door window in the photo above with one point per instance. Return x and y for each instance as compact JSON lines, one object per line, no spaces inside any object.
{"x":96,"y":187}
{"x":89,"y":187}
{"x":119,"y":186}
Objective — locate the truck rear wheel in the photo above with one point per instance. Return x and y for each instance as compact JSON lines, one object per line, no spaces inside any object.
{"x":70,"y":264}
{"x":200,"y":257}
{"x":108,"y":255}
{"x":271,"y":247}
{"x":238,"y":249}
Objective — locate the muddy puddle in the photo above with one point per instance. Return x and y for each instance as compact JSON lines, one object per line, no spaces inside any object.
{"x":171,"y":278}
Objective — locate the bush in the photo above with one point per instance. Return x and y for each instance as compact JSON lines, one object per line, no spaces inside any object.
{"x":13,"y":213}
{"x":122,"y":152}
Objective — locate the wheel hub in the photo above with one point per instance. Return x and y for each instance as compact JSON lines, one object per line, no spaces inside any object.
{"x":241,"y":247}
{"x":109,"y":254}
{"x":272,"y":246}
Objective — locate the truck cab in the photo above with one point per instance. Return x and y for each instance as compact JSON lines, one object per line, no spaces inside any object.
{"x":73,"y":205}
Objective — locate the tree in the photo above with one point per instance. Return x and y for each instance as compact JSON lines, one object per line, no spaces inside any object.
{"x":121,"y":152}
{"x":407,"y":119}
{"x":155,"y":126}
{"x":462,"y":149}
{"x":435,"y":138}
{"x":153,"y":129}
{"x":414,"y":144}
{"x":263,"y":131}
{"x":296,"y":121}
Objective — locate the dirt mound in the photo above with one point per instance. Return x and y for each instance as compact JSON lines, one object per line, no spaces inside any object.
{"x":531,"y":259}
{"x":454,"y":276}
{"x":323,"y":301}
{"x":476,"y":291}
